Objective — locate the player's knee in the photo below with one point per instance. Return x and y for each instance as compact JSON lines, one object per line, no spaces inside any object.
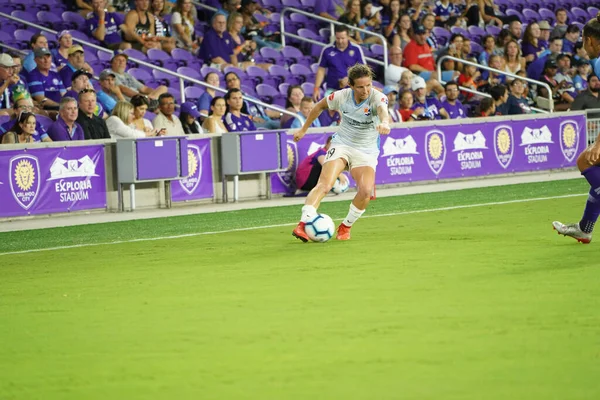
{"x":364,"y":192}
{"x":324,"y":187}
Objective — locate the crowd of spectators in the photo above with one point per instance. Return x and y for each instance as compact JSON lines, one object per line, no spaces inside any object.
{"x":52,"y":93}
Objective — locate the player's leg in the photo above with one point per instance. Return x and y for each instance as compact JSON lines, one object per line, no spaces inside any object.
{"x":329,"y":173}
{"x":582,"y":231}
{"x":364,"y":177}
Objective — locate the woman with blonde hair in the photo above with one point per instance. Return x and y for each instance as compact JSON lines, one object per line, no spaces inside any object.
{"x":214,"y":122}
{"x":513,"y":62}
{"x":182,"y":21}
{"x":244,"y":50}
{"x":119,"y":123}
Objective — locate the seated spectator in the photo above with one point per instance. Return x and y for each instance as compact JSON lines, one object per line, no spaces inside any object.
{"x":93,"y":126}
{"x":517,"y":103}
{"x":46,"y":86}
{"x":128,"y":84}
{"x":217,"y":45}
{"x":351,"y":17}
{"x":417,"y":9}
{"x":503,"y":37}
{"x":560,"y":24}
{"x":392,"y":94}
{"x":565,"y":72}
{"x":165,"y":117}
{"x":111,"y":93}
{"x":65,"y":128}
{"x":244,"y":49}
{"x":61,"y":54}
{"x":469,"y":79}
{"x":75,"y":62}
{"x":433,"y":109}
{"x":371,"y":20}
{"x":455,"y":49}
{"x":544,"y":39}
{"x":589,"y":98}
{"x":406,"y":111}
{"x":306,"y":106}
{"x":500,"y":96}
{"x":489,"y":79}
{"x":418,"y":56}
{"x":489,"y":45}
{"x":204,"y":101}
{"x":309,"y":169}
{"x":405,"y":31}
{"x":83,"y":7}
{"x":329,"y":9}
{"x":390,"y":19}
{"x":21,"y":105}
{"x":293,"y":103}
{"x":37,"y":41}
{"x":394,"y":70}
{"x":570,"y":39}
{"x":513,"y":62}
{"x":487,"y":107}
{"x":253,"y":28}
{"x":18,"y":71}
{"x":7,"y":79}
{"x":102,"y":26}
{"x":452,"y":105}
{"x":234,"y":120}
{"x":446,"y":13}
{"x":428,"y":22}
{"x":580,"y":81}
{"x":516,"y":29}
{"x":261,"y":117}
{"x":140,"y":29}
{"x":140,"y":106}
{"x":214,"y":122}
{"x":81,"y":81}
{"x":536,"y":68}
{"x":183,"y":21}
{"x":22,"y":131}
{"x":335,"y":60}
{"x":330,"y":118}
{"x":405,"y":84}
{"x":189,"y":116}
{"x":580,"y":52}
{"x":119,"y":123}
{"x":531,"y":45}
{"x":161,"y":26}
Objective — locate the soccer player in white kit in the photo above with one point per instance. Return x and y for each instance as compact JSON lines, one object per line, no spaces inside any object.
{"x":355,"y":146}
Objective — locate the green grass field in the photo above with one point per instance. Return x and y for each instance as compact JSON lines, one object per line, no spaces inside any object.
{"x":473,"y":302}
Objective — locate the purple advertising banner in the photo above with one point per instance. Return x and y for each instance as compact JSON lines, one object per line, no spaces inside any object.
{"x":447,"y":151}
{"x":52,"y":180}
{"x":199,"y":183}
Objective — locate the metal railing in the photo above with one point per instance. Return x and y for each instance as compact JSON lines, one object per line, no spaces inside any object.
{"x":477,"y":65}
{"x":332,"y":35}
{"x":182,"y":78}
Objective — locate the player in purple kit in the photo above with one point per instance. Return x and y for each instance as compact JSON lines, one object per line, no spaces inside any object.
{"x":588,"y":161}
{"x":355,"y":146}
{"x":234,"y":120}
{"x":452,"y":105}
{"x":45,"y":86}
{"x":433,"y":108}
{"x":335,"y":61}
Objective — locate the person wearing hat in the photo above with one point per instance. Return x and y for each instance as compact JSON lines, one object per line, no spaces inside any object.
{"x":562,"y":99}
{"x":418,"y":56}
{"x":545,"y":29}
{"x":580,"y":80}
{"x":392,"y":94}
{"x":128,"y":84}
{"x":46,"y":86}
{"x":76,"y":61}
{"x":432,"y":108}
{"x":81,"y":81}
{"x":103,"y":25}
{"x":189,"y":115}
{"x":111,"y":92}
{"x":335,"y":60}
{"x":7,"y":78}
{"x":37,"y":41}
{"x":60,"y":55}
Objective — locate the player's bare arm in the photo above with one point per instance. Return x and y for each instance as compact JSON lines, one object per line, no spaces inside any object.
{"x":312,"y":116}
{"x":384,"y":127}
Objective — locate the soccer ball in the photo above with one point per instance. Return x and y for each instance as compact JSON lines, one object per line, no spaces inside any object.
{"x":320,"y":228}
{"x":340,"y":187}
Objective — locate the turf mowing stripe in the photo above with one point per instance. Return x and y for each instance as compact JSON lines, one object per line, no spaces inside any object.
{"x":495,"y":203}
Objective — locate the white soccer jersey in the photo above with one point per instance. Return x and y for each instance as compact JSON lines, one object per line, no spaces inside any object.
{"x":357,"y":128}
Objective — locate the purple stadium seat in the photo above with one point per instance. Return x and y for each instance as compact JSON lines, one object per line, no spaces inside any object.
{"x":377,"y":51}
{"x":547,"y":15}
{"x":493,"y":30}
{"x":7,"y":8}
{"x":25,"y":15}
{"x":292,"y":3}
{"x":311,"y":49}
{"x":580,"y":14}
{"x":185,"y":59}
{"x":271,"y":55}
{"x":308,"y":87}
{"x":314,"y":67}
{"x":292,"y":55}
{"x":593,"y":11}
{"x":193,"y":93}
{"x":104,"y":55}
{"x":50,"y":19}
{"x":205,"y":70}
{"x":476,"y":49}
{"x":308,"y":5}
{"x":302,"y":71}
{"x":248,"y":90}
{"x":283,"y":87}
{"x":458,"y":29}
{"x":98,"y":66}
{"x":162,"y":58}
{"x":44,"y":120}
{"x":73,"y":19}
{"x":259,"y":75}
{"x":190,"y":72}
{"x":512,"y":11}
{"x":530,"y":16}
{"x":23,"y":35}
{"x":5,"y":37}
{"x":272,"y":5}
{"x":267,"y":93}
{"x":238,"y":71}
{"x":282,"y":74}
{"x":325,"y":34}
{"x":133,"y":53}
{"x":21,"y":4}
{"x":177,"y":95}
{"x":165,"y":78}
{"x":143,"y":76}
{"x":476,"y":33}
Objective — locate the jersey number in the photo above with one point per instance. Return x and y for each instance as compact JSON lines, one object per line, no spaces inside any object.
{"x":330,"y":153}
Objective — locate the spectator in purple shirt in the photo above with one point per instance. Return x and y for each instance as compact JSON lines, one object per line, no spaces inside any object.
{"x":65,"y":128}
{"x":218,"y":45}
{"x":433,"y":109}
{"x":7,"y":78}
{"x":46,"y":86}
{"x":76,"y":61}
{"x":329,"y":9}
{"x":452,"y":105}
{"x":571,"y":37}
{"x":335,"y":61}
{"x":107,"y":27}
{"x":530,"y":45}
{"x":234,"y":120}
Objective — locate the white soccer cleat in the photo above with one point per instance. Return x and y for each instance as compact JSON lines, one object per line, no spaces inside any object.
{"x":573,"y":231}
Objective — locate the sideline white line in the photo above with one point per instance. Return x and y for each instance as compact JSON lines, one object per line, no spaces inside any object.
{"x":428,"y":210}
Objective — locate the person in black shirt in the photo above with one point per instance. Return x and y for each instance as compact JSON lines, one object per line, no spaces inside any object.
{"x":590,"y":98}
{"x":93,"y":126}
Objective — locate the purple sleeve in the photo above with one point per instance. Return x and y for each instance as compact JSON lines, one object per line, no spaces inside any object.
{"x":527,"y":49}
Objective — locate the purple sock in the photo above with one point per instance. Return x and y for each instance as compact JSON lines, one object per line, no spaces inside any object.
{"x":591,"y":212}
{"x":592,"y":174}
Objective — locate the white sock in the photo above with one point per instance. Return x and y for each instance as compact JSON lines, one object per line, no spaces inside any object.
{"x":308,"y":213}
{"x":353,"y":215}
